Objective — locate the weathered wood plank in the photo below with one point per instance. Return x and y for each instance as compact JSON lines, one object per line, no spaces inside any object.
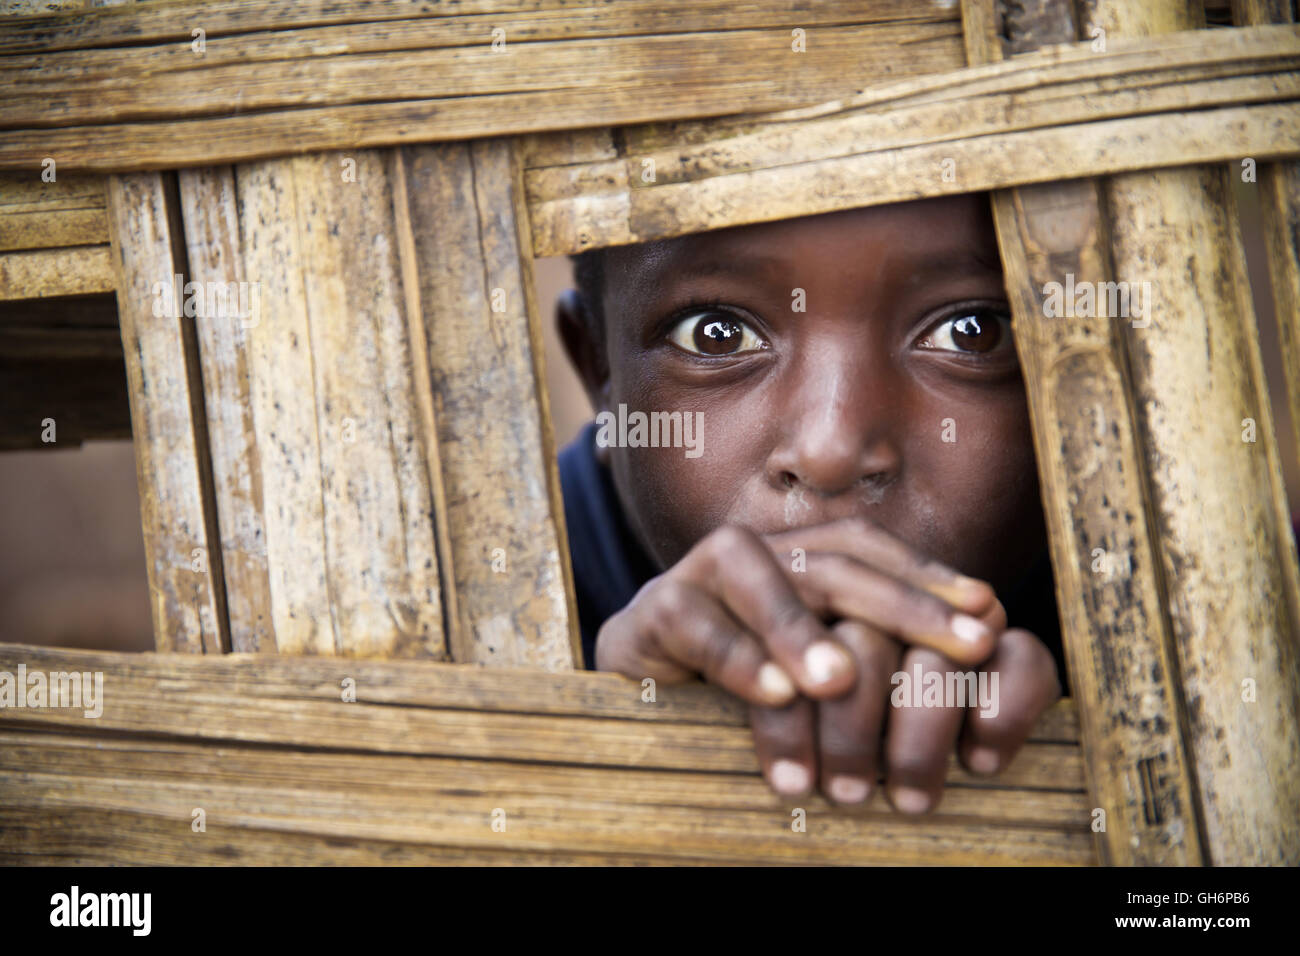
{"x":404,"y":781}
{"x":1279,"y":191}
{"x":35,"y":214}
{"x":510,"y":556}
{"x":437,"y":78}
{"x":1090,"y":466}
{"x":320,"y":379}
{"x":184,"y":561}
{"x":393,"y":24}
{"x":432,"y":685}
{"x":40,"y":273}
{"x":215,"y":256}
{"x":1225,"y":546}
{"x":284,"y":767}
{"x":1058,"y":114}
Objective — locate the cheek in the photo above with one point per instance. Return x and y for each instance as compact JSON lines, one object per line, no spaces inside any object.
{"x":673,"y":501}
{"x":982,"y":494}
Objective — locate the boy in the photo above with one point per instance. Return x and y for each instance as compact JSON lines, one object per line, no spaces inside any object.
{"x":861,"y":488}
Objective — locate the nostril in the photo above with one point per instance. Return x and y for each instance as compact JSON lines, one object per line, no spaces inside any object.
{"x":787,"y":479}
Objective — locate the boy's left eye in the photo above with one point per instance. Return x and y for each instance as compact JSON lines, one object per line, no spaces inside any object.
{"x":975,"y":331}
{"x":714,"y":333}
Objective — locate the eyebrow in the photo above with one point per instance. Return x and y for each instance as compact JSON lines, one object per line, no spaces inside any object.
{"x":963,"y":260}
{"x":731,"y":265}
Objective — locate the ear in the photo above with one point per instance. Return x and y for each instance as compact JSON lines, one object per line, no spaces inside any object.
{"x":585,"y":353}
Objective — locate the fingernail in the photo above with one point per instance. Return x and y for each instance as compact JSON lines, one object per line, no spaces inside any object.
{"x":845,"y":789}
{"x":824,"y":662}
{"x":775,"y":683}
{"x":968,"y":628}
{"x":984,"y":760}
{"x":911,"y":800}
{"x":790,"y":777}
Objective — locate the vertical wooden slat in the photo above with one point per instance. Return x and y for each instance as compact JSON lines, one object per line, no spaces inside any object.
{"x":470,"y":234}
{"x":1279,"y":195}
{"x":184,"y":562}
{"x":216,"y":256}
{"x":1217,"y":501}
{"x":344,"y":460}
{"x":1116,"y":638}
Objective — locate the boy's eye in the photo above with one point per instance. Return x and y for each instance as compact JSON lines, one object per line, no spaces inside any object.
{"x":714,"y":333}
{"x":973,"y":330}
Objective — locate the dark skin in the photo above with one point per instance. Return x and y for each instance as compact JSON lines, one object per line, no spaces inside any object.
{"x":829,"y":536}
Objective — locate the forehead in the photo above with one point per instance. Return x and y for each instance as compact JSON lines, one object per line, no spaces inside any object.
{"x":876,"y":241}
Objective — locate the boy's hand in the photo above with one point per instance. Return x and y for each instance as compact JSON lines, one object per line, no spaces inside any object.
{"x":736,"y":611}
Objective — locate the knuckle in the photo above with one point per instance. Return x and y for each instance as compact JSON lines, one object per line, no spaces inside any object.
{"x":670,"y":603}
{"x":727,"y":540}
{"x":916,"y":765}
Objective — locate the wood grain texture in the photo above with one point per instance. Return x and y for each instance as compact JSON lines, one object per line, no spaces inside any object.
{"x":469,"y":231}
{"x":601,"y":777}
{"x":184,"y":564}
{"x":38,"y":273}
{"x":38,"y":215}
{"x":1279,"y":193}
{"x":1090,"y":464}
{"x":1225,"y":546}
{"x":1058,"y":114}
{"x":326,"y":501}
{"x":215,"y":255}
{"x":100,"y":100}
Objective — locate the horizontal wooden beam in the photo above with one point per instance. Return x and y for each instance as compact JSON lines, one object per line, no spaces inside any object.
{"x":34,"y":214}
{"x":359,"y":21}
{"x":1063,"y":113}
{"x":88,"y":92}
{"x":579,"y":764}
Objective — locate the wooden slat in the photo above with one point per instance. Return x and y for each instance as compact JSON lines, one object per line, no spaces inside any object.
{"x":184,"y":561}
{"x":1058,"y":114}
{"x":323,"y":457}
{"x":1090,"y":466}
{"x":431,"y":77}
{"x":215,"y":255}
{"x":38,"y":273}
{"x":468,"y":228}
{"x":40,"y":215}
{"x":1279,"y":192}
{"x":404,"y":779}
{"x":1226,"y":549}
{"x":438,"y":686}
{"x":470,"y":21}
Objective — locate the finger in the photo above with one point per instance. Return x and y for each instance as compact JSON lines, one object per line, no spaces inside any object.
{"x":875,"y":547}
{"x":1022,"y":683}
{"x":783,"y":740}
{"x":735,"y":565}
{"x":850,"y":728}
{"x":837,"y":584}
{"x":673,"y":631}
{"x":922,"y":731}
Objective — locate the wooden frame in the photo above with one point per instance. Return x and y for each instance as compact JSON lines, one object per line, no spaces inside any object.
{"x":377,"y":480}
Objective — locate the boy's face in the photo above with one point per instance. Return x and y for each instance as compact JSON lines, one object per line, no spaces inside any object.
{"x":895,"y":394}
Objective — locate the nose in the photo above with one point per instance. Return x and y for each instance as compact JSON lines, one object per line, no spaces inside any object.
{"x":840,"y":430}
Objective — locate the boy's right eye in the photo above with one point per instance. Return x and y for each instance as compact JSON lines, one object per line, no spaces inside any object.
{"x":715,"y":333}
